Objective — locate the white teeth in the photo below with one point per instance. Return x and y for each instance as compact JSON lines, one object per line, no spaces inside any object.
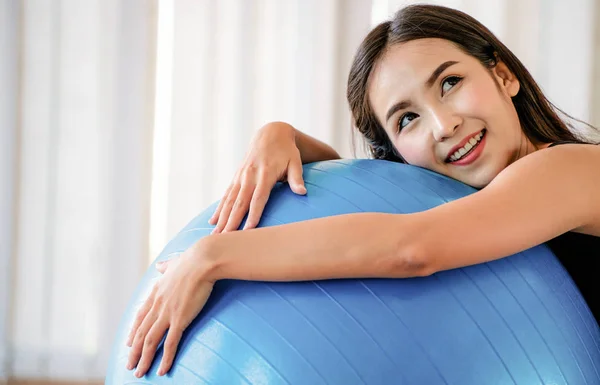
{"x":466,"y":148}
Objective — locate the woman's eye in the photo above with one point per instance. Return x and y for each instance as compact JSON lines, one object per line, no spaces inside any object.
{"x":405,"y":119}
{"x":450,"y":82}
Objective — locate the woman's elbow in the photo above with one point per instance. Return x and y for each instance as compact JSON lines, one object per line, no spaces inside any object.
{"x":412,"y":261}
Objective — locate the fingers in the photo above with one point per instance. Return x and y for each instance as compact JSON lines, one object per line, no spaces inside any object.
{"x":242,"y":195}
{"x":240,"y":207}
{"x":257,"y":205}
{"x":175,"y":300}
{"x":151,"y":341}
{"x":295,"y":177}
{"x":140,"y":316}
{"x":227,"y":207}
{"x":162,"y":266}
{"x":217,"y":213}
{"x":170,"y":348}
{"x":138,"y":342}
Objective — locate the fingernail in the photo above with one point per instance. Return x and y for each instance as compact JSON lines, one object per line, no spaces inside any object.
{"x":129,"y":366}
{"x":161,"y":372}
{"x":138,"y":374}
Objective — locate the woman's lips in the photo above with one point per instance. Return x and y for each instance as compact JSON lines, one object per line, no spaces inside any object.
{"x":472,"y":154}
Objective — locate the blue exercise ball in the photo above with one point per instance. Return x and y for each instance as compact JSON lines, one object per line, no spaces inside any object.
{"x":517,"y":320}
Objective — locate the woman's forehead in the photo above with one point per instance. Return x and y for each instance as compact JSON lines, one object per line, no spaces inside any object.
{"x":414,"y":60}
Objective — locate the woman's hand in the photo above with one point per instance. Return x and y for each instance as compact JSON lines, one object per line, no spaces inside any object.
{"x":174,"y":302}
{"x":273,"y":157}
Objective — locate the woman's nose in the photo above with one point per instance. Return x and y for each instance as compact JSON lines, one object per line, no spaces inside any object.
{"x":445,"y":123}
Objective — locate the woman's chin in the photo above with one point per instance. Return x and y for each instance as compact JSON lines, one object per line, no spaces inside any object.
{"x":479,"y":180}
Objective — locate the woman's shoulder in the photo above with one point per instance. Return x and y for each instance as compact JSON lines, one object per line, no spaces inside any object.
{"x":575,"y":164}
{"x":564,"y":177}
{"x":561,"y":158}
{"x":557,"y":143}
{"x":563,"y":142}
{"x":568,"y":153}
{"x":571,"y":154}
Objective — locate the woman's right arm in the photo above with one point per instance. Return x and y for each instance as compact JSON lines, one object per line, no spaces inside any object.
{"x":277,"y":153}
{"x":311,"y":149}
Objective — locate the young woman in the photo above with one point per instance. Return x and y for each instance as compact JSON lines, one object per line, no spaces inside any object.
{"x":432,"y":88}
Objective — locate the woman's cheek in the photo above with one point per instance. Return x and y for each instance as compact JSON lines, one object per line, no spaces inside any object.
{"x":414,"y":152}
{"x":473,"y":102}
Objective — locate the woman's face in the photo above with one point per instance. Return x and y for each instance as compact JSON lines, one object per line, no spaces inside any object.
{"x":444,"y":111}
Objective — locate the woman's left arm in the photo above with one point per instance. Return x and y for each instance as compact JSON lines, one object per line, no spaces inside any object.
{"x":537,"y":198}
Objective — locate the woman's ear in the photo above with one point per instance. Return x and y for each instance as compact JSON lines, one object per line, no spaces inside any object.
{"x":507,"y":80}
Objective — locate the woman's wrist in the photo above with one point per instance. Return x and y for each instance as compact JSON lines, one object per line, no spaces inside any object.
{"x":206,"y":258}
{"x":280,"y":130}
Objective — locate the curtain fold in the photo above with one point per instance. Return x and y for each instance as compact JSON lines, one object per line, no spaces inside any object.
{"x":239,"y":64}
{"x":9,"y":26}
{"x":86,"y":88}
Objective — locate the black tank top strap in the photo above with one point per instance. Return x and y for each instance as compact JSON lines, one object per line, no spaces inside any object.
{"x":563,"y":142}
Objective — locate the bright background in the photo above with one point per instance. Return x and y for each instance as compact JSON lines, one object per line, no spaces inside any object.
{"x":121,"y":120}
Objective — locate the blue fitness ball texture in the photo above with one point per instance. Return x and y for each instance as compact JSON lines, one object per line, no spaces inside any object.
{"x":517,"y":320}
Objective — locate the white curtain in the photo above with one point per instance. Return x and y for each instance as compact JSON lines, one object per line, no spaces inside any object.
{"x":87,"y":174}
{"x":107,"y":148}
{"x":82,"y":176}
{"x":8,"y":143}
{"x":238,"y":64}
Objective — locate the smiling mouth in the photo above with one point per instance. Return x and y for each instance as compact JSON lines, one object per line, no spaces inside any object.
{"x":467,"y":148}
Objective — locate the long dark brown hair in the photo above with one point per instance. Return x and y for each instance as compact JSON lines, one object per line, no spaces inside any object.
{"x":539,"y":119}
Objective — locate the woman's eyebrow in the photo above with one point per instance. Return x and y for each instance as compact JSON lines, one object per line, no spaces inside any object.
{"x":429,"y":83}
{"x":438,"y":71}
